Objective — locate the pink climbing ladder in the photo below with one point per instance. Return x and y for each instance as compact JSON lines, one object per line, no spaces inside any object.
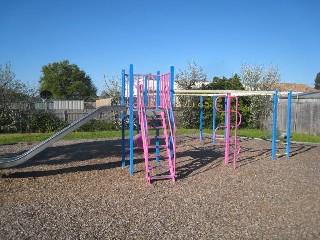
{"x":227,"y":139}
{"x":158,"y":138}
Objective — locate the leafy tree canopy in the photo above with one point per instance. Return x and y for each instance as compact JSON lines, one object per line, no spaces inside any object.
{"x":258,"y":78}
{"x":112,"y":89}
{"x":224,"y":83}
{"x":66,"y":81}
{"x":191,"y":77}
{"x":11,"y":89}
{"x":317,"y":82}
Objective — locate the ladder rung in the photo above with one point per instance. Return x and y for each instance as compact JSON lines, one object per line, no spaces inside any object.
{"x":156,"y":127}
{"x":161,"y":177}
{"x":159,"y":166}
{"x":152,"y":157}
{"x":155,"y":118}
{"x":157,"y":137}
{"x":160,"y":146}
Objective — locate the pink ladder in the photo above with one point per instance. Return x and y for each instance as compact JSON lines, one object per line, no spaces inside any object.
{"x":159,"y":144}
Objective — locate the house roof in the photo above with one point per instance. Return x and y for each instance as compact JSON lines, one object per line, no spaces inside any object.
{"x":295,"y":87}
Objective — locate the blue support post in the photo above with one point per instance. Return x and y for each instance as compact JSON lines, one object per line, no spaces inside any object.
{"x":145,"y":94}
{"x":289,"y":124}
{"x":172,"y":85}
{"x":131,"y":83}
{"x":214,"y":117}
{"x":201,"y":116}
{"x":274,"y":126}
{"x":158,"y":90}
{"x":123,"y":116}
{"x":157,"y":122}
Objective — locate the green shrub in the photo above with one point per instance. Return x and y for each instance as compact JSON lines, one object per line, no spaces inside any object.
{"x":99,"y":125}
{"x":13,"y":121}
{"x":45,"y":121}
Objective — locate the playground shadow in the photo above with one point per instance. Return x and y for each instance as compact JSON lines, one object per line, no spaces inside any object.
{"x":198,"y":159}
{"x":56,"y":160}
{"x":76,"y":153}
{"x":295,"y":149}
{"x":254,"y":154}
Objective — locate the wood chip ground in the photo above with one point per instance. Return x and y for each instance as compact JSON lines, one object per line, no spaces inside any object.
{"x":78,"y":190}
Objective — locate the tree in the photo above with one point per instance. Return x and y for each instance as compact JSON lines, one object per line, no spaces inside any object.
{"x":112,"y":89}
{"x":317,"y":82}
{"x":13,"y":114}
{"x":192,"y":77}
{"x":66,"y":81}
{"x":257,"y":78}
{"x":224,"y":83}
{"x":11,"y":89}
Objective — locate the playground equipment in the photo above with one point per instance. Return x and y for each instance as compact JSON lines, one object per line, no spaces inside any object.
{"x":216,"y":94}
{"x":16,"y":160}
{"x":149,"y":99}
{"x":227,"y":140}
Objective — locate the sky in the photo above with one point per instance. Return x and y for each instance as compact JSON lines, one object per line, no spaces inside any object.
{"x":103,"y":37}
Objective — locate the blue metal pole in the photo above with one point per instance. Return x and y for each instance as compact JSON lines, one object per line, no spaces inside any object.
{"x":172,"y":85}
{"x":289,"y":124}
{"x":214,"y":116}
{"x":157,"y":122}
{"x":145,"y":94}
{"x":201,"y":116}
{"x":274,"y":126}
{"x":123,"y":116}
{"x":158,"y":90}
{"x":131,"y":83}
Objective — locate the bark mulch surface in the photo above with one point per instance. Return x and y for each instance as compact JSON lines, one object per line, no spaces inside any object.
{"x":78,"y":190}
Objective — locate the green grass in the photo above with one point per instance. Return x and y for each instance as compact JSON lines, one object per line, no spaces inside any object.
{"x":36,"y":137}
{"x":300,"y":137}
{"x":13,"y":138}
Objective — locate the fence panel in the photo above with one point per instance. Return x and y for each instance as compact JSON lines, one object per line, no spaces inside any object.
{"x":305,"y":117}
{"x":68,"y":104}
{"x":72,"y":115}
{"x":103,"y":102}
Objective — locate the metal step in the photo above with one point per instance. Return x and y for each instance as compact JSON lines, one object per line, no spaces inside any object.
{"x":159,"y":166}
{"x":155,"y":147}
{"x":161,"y":177}
{"x":157,"y":137}
{"x":160,"y":157}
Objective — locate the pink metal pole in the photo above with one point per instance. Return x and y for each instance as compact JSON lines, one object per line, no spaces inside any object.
{"x":127,"y":91}
{"x":153,"y":91}
{"x":162,"y":80}
{"x":235,"y":151}
{"x":227,"y":140}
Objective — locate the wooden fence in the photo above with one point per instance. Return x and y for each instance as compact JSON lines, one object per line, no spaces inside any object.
{"x":305,"y":116}
{"x":72,"y":115}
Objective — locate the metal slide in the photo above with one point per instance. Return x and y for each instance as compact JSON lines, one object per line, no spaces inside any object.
{"x":16,"y":160}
